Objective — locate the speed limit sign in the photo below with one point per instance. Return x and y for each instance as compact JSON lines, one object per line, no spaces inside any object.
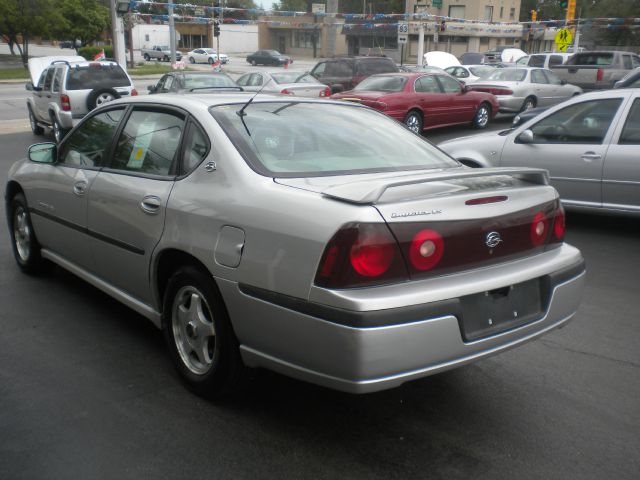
{"x":403,"y":32}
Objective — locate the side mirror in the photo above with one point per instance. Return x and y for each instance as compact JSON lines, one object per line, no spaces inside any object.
{"x":151,"y":88}
{"x":465,"y":88}
{"x":526,"y":137}
{"x":43,"y":152}
{"x":563,"y":82}
{"x":29,"y":86}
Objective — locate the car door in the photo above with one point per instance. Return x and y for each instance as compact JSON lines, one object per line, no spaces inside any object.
{"x":557,"y":92}
{"x":571,"y":143}
{"x":199,"y":55}
{"x":543,"y":91}
{"x":431,"y":100}
{"x":127,"y":201}
{"x":621,"y":173}
{"x":460,"y":107}
{"x":59,"y":201}
{"x":43,"y":96}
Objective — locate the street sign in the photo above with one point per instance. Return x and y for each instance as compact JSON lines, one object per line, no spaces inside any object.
{"x":436,"y":3}
{"x":563,"y":39}
{"x":403,"y":32}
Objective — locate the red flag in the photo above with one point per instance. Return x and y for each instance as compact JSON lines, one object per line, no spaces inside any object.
{"x":216,"y":64}
{"x":98,"y":57}
{"x":286,"y":64}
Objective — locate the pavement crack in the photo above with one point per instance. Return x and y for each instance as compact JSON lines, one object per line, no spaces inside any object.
{"x":552,"y":344}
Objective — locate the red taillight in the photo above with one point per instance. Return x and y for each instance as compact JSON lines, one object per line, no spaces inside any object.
{"x":372,"y":254}
{"x":485,"y":200}
{"x":559,"y":224}
{"x":426,"y":250}
{"x":361,"y":254}
{"x":286,"y":91}
{"x":134,"y":92}
{"x":494,"y":91}
{"x":326,"y":92}
{"x":600,"y":74}
{"x":65,"y":102}
{"x":539,"y":229}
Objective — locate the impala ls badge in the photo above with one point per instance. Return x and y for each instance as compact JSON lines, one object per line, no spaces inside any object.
{"x":493,"y":239}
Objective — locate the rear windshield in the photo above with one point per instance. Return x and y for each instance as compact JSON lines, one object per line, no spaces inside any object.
{"x":96,"y":76}
{"x":482,"y":71}
{"x":305,"y":139}
{"x":382,"y":84}
{"x":288,"y":77}
{"x":603,"y":58}
{"x":208,"y":81}
{"x":375,"y":65}
{"x":508,"y":75}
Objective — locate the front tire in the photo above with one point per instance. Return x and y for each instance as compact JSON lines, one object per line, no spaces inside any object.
{"x":529,"y":103}
{"x":413,"y":121}
{"x":35,"y":128}
{"x":199,"y":335}
{"x":192,"y":60}
{"x":26,"y":249}
{"x":482,"y":117}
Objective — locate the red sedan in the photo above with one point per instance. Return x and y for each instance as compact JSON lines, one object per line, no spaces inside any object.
{"x":424,"y":100}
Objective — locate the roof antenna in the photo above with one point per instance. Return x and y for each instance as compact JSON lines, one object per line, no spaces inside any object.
{"x":241,"y":113}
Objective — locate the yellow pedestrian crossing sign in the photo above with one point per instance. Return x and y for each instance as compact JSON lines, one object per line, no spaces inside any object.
{"x":563,"y":39}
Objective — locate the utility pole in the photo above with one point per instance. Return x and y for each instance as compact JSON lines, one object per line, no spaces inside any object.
{"x":117,"y":33}
{"x":172,"y":33}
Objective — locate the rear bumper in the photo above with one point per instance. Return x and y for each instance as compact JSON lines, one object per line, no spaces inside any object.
{"x":365,"y":350}
{"x":510,"y":104}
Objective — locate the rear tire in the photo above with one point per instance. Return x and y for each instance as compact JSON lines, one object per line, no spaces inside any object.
{"x":26,"y":249}
{"x":192,"y":60}
{"x":166,"y":59}
{"x":146,"y":57}
{"x":35,"y":128}
{"x":199,"y":335}
{"x":482,"y":117}
{"x":529,"y":102}
{"x":58,"y":132}
{"x":413,"y":121}
{"x":253,"y":63}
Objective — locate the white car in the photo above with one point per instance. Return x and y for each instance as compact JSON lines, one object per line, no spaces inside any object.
{"x":206,"y":55}
{"x":470,"y":73}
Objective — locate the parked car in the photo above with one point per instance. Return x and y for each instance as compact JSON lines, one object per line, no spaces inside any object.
{"x":344,"y":73}
{"x":318,"y":239}
{"x":159,"y":52}
{"x":420,"y":68}
{"x":544,"y":60}
{"x":67,"y":44}
{"x":597,"y":70}
{"x":269,"y":57}
{"x":470,"y":73}
{"x":589,"y":144}
{"x":424,"y":100}
{"x":630,"y":80}
{"x":288,"y":82}
{"x":206,"y":55}
{"x":504,"y":54}
{"x":65,"y":89}
{"x":472,"y":58}
{"x":519,"y":89}
{"x":182,"y":82}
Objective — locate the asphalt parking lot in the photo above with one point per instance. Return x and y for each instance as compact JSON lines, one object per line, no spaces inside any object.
{"x":87,"y":390}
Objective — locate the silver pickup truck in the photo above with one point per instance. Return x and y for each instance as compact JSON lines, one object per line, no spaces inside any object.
{"x":597,"y":70}
{"x":159,"y":52}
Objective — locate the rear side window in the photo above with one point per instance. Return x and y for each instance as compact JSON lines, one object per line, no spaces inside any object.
{"x":338,"y":69}
{"x":536,"y":61}
{"x":149,"y":142}
{"x":48,"y":79}
{"x":602,"y":58}
{"x":626,"y":62}
{"x":96,"y":76}
{"x":631,"y":132}
{"x":555,"y":60}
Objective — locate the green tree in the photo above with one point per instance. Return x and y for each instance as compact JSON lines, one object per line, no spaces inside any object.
{"x":21,"y":20}
{"x":85,"y":20}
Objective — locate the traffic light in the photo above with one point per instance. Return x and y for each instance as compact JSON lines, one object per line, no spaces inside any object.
{"x":216,"y":30}
{"x":564,"y":3}
{"x":534,"y":15}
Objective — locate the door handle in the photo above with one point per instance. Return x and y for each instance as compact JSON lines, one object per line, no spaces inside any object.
{"x":80,"y":188}
{"x":150,"y":204}
{"x":590,"y":156}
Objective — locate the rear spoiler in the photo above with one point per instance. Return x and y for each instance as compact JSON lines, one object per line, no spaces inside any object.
{"x":370,"y":191}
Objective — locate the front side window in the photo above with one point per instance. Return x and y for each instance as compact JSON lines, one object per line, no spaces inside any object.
{"x":87,"y":146}
{"x":584,"y":123}
{"x":631,"y":132}
{"x":536,"y":61}
{"x":149,"y":142}
{"x":427,"y":84}
{"x":555,"y":60}
{"x":305,"y":139}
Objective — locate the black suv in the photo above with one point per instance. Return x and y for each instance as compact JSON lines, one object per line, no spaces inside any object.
{"x":344,"y":73}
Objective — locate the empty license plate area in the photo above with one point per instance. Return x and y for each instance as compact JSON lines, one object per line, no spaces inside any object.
{"x":494,"y":311}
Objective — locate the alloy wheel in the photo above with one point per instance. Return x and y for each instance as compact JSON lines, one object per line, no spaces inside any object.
{"x":22,"y":233}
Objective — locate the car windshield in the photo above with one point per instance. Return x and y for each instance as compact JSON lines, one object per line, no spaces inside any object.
{"x":306,"y":139}
{"x":96,"y":76}
{"x":388,"y":83}
{"x":208,"y":81}
{"x":286,"y":77}
{"x":508,"y":75}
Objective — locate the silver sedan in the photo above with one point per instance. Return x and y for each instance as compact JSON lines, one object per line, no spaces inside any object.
{"x":319,"y":239}
{"x":589,"y":144}
{"x":519,"y":89}
{"x":288,"y":82}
